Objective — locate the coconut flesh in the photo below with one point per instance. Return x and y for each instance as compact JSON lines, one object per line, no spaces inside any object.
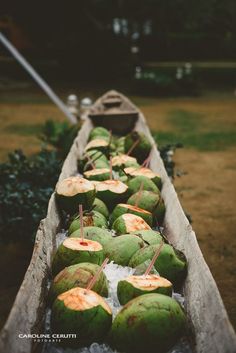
{"x":114,"y":186}
{"x":73,"y":185}
{"x":133,"y":286}
{"x":96,"y":173}
{"x":96,"y":144}
{"x":83,"y":312}
{"x":122,"y":208}
{"x":148,"y":283}
{"x":111,"y":191}
{"x":77,"y":250}
{"x":80,"y":299}
{"x":128,"y":223}
{"x":73,"y":191}
{"x":123,"y":160}
{"x":148,"y":173}
{"x":80,"y":244}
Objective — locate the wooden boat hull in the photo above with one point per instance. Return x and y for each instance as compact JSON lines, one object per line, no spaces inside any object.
{"x":207,"y":316}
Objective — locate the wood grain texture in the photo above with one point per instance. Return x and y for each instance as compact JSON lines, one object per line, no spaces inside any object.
{"x":205,"y":310}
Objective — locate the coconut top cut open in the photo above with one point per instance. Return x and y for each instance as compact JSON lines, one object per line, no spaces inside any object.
{"x":149,"y":282}
{"x":96,"y":172}
{"x":94,"y":144}
{"x":133,"y":223}
{"x":134,"y":208}
{"x":80,"y":244}
{"x":81,"y":299}
{"x":122,"y":159}
{"x":74,"y":185}
{"x":115,"y":186}
{"x":134,"y":171}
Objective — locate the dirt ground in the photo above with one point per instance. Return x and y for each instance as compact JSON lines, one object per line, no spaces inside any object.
{"x":207,"y":189}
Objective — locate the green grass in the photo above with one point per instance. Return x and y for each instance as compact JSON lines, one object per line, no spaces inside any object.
{"x":24,"y":130}
{"x":188,"y":128}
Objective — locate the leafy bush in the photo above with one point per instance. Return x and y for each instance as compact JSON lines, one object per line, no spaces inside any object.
{"x":25,"y":187}
{"x":60,"y":135}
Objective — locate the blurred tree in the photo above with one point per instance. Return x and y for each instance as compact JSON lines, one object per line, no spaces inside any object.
{"x":80,"y":32}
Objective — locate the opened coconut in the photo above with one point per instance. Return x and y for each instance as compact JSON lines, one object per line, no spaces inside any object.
{"x":78,"y":275}
{"x":82,"y":312}
{"x":149,"y":201}
{"x":76,"y":250}
{"x":123,"y":208}
{"x":122,"y":161}
{"x":134,"y":286}
{"x":148,"y":173}
{"x":170,"y":263}
{"x":147,"y":184}
{"x":128,"y":223}
{"x":73,"y":191}
{"x":97,"y":174}
{"x":100,"y":235}
{"x":90,"y":219}
{"x":111,"y":192}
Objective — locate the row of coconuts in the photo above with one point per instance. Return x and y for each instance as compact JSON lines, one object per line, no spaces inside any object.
{"x":121,"y":202}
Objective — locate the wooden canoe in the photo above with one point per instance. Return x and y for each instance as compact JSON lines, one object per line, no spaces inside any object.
{"x":207,"y":316}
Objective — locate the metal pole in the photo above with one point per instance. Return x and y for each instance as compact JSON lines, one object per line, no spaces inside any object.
{"x":37,"y":78}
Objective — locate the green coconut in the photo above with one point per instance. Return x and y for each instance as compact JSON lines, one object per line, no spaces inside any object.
{"x":97,"y":174}
{"x":134,"y":286}
{"x":120,"y":145}
{"x":150,"y":237}
{"x":100,"y":235}
{"x":149,"y":201}
{"x":78,"y":275}
{"x":75,"y":250}
{"x":93,"y":159}
{"x":73,"y":191}
{"x":135,"y":183}
{"x":122,"y":248}
{"x":141,"y":269}
{"x":123,"y":161}
{"x":160,"y":211}
{"x":149,"y":323}
{"x":99,"y":206}
{"x":99,"y":132}
{"x":143,"y":147}
{"x":111,"y":192}
{"x":170,"y":263}
{"x":82,"y":312}
{"x":90,"y":219}
{"x":123,"y":208}
{"x":148,"y":173}
{"x":128,"y":223}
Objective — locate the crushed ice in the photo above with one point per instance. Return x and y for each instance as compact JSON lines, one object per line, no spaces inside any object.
{"x":114,"y":274}
{"x":179,"y":298}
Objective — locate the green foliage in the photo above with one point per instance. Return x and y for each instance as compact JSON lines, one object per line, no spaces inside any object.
{"x":60,"y":135}
{"x":25,"y":188}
